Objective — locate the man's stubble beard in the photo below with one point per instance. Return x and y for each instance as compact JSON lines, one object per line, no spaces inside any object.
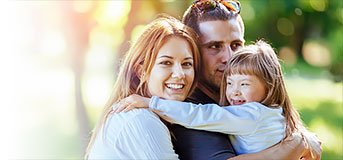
{"x":212,"y":83}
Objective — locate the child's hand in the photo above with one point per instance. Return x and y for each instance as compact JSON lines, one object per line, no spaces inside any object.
{"x":131,"y":102}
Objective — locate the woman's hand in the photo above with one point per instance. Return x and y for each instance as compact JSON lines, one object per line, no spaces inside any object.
{"x":131,"y":102}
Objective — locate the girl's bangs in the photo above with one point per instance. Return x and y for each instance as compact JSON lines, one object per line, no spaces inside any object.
{"x":241,"y":66}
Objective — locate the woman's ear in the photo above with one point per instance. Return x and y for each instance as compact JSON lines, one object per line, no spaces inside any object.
{"x":139,"y":71}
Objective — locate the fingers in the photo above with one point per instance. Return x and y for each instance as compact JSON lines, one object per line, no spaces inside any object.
{"x":128,"y":108}
{"x":121,"y":106}
{"x":314,"y":147}
{"x":131,"y":102}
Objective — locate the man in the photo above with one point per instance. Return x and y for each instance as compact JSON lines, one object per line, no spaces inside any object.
{"x":221,"y":32}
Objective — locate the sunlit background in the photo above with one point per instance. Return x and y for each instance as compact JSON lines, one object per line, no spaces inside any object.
{"x":59,"y":60}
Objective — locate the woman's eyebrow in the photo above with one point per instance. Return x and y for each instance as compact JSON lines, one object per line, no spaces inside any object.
{"x":165,"y":56}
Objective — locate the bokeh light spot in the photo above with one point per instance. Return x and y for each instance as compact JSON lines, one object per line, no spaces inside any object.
{"x":82,"y":6}
{"x":298,"y":11}
{"x":316,"y":54}
{"x":340,"y":14}
{"x":285,"y":26}
{"x":136,"y":32}
{"x":97,"y":90}
{"x":288,"y":56}
{"x":53,"y":43}
{"x":319,"y":5}
{"x":249,"y":12}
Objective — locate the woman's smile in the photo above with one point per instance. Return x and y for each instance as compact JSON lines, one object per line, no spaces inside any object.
{"x":173,"y":74}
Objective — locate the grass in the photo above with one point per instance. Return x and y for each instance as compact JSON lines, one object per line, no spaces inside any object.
{"x":319,"y":102}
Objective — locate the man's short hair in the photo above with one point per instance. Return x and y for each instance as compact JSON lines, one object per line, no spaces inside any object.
{"x":193,"y":16}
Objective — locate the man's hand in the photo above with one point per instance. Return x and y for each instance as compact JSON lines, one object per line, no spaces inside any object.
{"x":293,"y":147}
{"x":313,"y":148}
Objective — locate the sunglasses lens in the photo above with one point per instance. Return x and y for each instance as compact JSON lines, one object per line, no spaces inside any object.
{"x":209,"y":5}
{"x":232,"y":5}
{"x":205,"y":5}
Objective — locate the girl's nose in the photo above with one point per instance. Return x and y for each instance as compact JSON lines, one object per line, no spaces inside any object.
{"x":237,"y":92}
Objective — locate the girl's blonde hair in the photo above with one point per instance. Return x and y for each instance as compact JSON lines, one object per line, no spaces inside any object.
{"x":260,"y":60}
{"x":139,"y":60}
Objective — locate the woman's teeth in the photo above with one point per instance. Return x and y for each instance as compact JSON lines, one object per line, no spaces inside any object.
{"x":175,"y":86}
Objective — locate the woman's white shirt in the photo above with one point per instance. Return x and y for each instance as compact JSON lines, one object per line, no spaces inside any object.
{"x":254,"y":126}
{"x":137,"y":134}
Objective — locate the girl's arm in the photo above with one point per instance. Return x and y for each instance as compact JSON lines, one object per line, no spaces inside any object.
{"x":237,"y":120}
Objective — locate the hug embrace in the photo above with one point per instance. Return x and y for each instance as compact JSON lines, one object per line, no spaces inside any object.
{"x":192,"y":90}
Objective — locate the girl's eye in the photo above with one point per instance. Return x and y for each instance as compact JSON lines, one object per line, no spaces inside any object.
{"x":229,"y":83}
{"x":244,"y":84}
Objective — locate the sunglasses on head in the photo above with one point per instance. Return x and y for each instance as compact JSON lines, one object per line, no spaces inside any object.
{"x":207,"y":5}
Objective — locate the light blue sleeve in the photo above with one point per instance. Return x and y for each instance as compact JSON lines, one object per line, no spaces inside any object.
{"x":235,"y":120}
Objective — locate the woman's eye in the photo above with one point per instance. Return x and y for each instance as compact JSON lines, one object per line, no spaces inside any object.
{"x":187,"y":64}
{"x":229,"y":83}
{"x":165,"y":62}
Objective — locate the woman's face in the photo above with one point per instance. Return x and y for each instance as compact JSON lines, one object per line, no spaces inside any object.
{"x":172,"y":74}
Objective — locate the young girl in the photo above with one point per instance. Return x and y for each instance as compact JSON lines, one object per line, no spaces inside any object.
{"x":260,"y":114}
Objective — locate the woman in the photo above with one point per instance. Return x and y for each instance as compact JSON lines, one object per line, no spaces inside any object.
{"x":162,"y":62}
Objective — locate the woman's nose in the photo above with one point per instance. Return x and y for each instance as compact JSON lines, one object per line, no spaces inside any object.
{"x":178,"y":72}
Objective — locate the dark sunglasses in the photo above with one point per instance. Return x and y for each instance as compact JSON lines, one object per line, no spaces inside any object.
{"x":208,"y":5}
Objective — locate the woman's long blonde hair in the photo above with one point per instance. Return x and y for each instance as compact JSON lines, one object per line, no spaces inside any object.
{"x":140,"y":59}
{"x":260,"y":60}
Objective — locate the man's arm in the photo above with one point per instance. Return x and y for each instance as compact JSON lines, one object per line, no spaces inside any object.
{"x":292,"y":148}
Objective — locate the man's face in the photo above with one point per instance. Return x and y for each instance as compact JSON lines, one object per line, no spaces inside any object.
{"x":218,"y":41}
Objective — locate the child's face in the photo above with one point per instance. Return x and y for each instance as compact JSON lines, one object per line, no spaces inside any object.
{"x":242,"y":89}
